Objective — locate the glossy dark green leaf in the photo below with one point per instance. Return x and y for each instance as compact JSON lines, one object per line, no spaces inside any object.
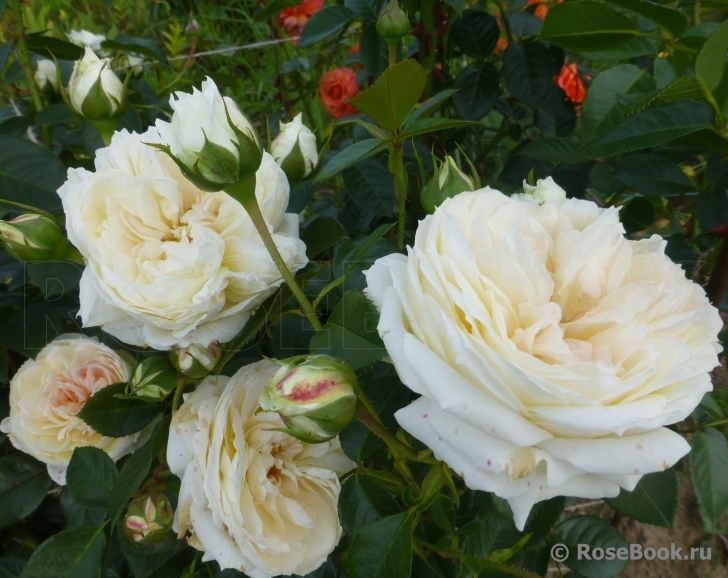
{"x":597,"y":533}
{"x":373,"y":51}
{"x":652,"y":174}
{"x":77,"y":515}
{"x":322,"y":233}
{"x":362,"y":501}
{"x":11,"y":566}
{"x":55,"y":278}
{"x":710,"y":63}
{"x":581,"y":25}
{"x":527,"y":68}
{"x":351,"y":155}
{"x":73,"y":553}
{"x":709,"y":471}
{"x":91,"y":475}
{"x":427,"y":108}
{"x":432,"y":124}
{"x":50,"y":47}
{"x":55,"y":114}
{"x":371,"y":187}
{"x":147,"y":559}
{"x":475,"y":33}
{"x":28,"y":330}
{"x":555,"y":149}
{"x":365,"y":9}
{"x":350,"y":333}
{"x":654,"y":126}
{"x":30,"y":173}
{"x":555,"y":113}
{"x":638,"y":46}
{"x":477,"y":90}
{"x":653,"y":501}
{"x":670,"y":19}
{"x":24,"y":482}
{"x":637,"y":215}
{"x":324,"y":23}
{"x":382,"y":549}
{"x":712,"y":209}
{"x":117,"y":417}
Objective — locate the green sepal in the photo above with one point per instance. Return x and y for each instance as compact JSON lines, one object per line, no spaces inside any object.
{"x":299,"y":436}
{"x":250,"y":149}
{"x":97,"y":104}
{"x":216,"y":164}
{"x":196,"y":179}
{"x":294,"y":165}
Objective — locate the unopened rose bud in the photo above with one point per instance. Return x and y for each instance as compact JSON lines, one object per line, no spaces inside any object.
{"x":544,"y":190}
{"x":210,"y":139}
{"x":314,"y":395}
{"x":46,"y":76}
{"x":447,"y":182}
{"x":148,"y":518}
{"x":195,"y":361}
{"x":193,"y":27}
{"x":94,"y":91}
{"x":294,"y":149}
{"x":393,"y":23}
{"x":34,"y":238}
{"x":153,"y":379}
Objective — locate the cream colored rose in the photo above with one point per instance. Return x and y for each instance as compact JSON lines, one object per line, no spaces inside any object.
{"x":96,"y":101}
{"x":46,"y":394}
{"x":85,"y":38}
{"x":46,"y":75}
{"x":254,"y":499}
{"x":167,"y":263}
{"x":548,"y":349}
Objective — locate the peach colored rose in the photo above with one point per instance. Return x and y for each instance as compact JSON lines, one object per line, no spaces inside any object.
{"x":570,"y":82}
{"x":294,"y":18}
{"x":335,"y":88}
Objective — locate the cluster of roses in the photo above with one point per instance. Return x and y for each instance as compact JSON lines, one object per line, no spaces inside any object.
{"x":548,"y":351}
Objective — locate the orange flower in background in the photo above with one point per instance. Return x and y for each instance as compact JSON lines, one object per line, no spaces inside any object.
{"x":501,"y":45}
{"x":570,"y":82}
{"x":541,"y":9}
{"x":336,"y":86}
{"x":295,"y":17}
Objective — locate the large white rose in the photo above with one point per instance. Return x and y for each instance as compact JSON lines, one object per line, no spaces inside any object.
{"x":254,"y":499}
{"x":167,"y":263}
{"x":47,"y":392}
{"x":548,"y":349}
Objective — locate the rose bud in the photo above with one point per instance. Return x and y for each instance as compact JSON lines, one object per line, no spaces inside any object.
{"x":447,"y":182}
{"x":34,"y":238}
{"x":46,"y":76}
{"x":294,"y":149}
{"x":314,"y":395}
{"x":153,"y":379}
{"x":195,"y":361}
{"x":544,"y":190}
{"x":148,"y":518}
{"x":393,"y":23}
{"x":94,"y":91}
{"x":211,"y":140}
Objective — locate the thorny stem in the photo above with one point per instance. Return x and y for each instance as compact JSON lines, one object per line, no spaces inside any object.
{"x":178,"y":392}
{"x":400,"y":187}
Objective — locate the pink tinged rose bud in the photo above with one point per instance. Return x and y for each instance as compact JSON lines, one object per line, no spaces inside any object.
{"x":196,"y":361}
{"x":148,"y":518}
{"x":315,"y":396}
{"x":33,"y":238}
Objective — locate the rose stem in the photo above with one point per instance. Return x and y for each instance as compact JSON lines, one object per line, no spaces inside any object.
{"x":178,"y":392}
{"x":241,"y":191}
{"x":24,"y":60}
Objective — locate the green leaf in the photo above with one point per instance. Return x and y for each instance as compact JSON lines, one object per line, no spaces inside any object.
{"x":55,"y":278}
{"x":55,"y":114}
{"x":586,"y":26}
{"x":273,"y":8}
{"x":50,"y":47}
{"x":74,"y":553}
{"x":456,"y":5}
{"x":477,"y":86}
{"x":77,"y":515}
{"x":600,"y":110}
{"x":30,"y":173}
{"x":709,"y":472}
{"x":350,"y":333}
{"x":371,"y":187}
{"x":365,"y":9}
{"x":427,"y":108}
{"x":91,"y":475}
{"x":362,"y":501}
{"x":23,"y":485}
{"x":350,"y":155}
{"x":652,"y":174}
{"x":674,"y":21}
{"x":707,"y":139}
{"x":382,"y":549}
{"x":712,"y":209}
{"x":652,"y":127}
{"x":476,"y":33}
{"x":637,"y":215}
{"x":373,"y":51}
{"x":392,"y":96}
{"x":527,"y":68}
{"x":638,"y":46}
{"x":554,"y":149}
{"x":432,"y":124}
{"x":555,"y":114}
{"x":135,"y":470}
{"x":322,"y":233}
{"x":146,"y":559}
{"x":133,"y":45}
{"x":597,"y":534}
{"x":684,"y":88}
{"x":28,"y":330}
{"x":117,"y":417}
{"x":11,"y":566}
{"x":710,"y":63}
{"x":324,"y":23}
{"x":653,"y":501}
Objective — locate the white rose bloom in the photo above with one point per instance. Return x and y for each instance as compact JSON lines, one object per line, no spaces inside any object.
{"x":199,"y":115}
{"x":548,"y":349}
{"x":85,"y":38}
{"x":45,"y":74}
{"x":167,"y":263}
{"x":290,"y":133}
{"x":46,"y":394}
{"x":86,"y":72}
{"x":256,"y":500}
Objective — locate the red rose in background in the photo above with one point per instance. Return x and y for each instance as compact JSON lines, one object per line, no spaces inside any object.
{"x":336,"y":86}
{"x":295,"y":17}
{"x":541,"y":9}
{"x":570,"y":82}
